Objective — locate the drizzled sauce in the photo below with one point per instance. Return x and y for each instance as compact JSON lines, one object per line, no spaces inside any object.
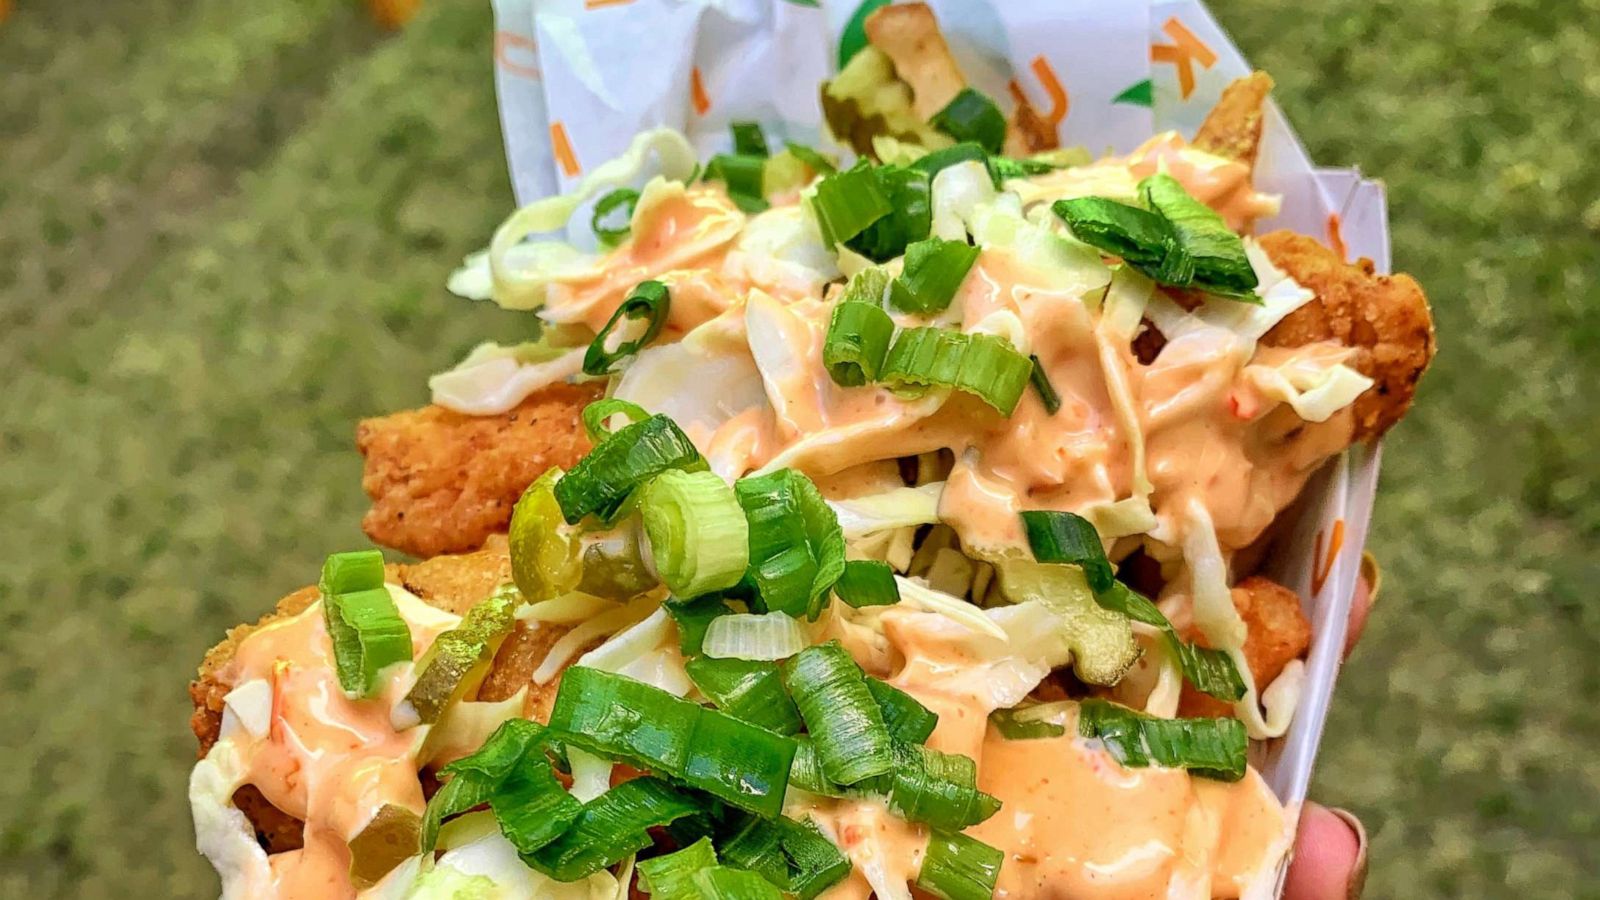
{"x":327,"y":760}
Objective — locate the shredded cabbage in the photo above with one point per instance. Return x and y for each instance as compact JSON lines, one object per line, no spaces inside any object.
{"x":519,"y":274}
{"x":591,"y":775}
{"x":222,"y":833}
{"x":249,"y":707}
{"x":919,"y":595}
{"x":1314,"y":388}
{"x":489,"y":869}
{"x":896,"y":508}
{"x":496,"y":385}
{"x":582,"y":635}
{"x":957,"y":191}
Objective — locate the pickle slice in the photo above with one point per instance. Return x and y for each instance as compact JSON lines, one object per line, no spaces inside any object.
{"x":456,"y":663}
{"x":544,"y":554}
{"x":393,"y":836}
{"x":1101,"y":641}
{"x":614,"y":566}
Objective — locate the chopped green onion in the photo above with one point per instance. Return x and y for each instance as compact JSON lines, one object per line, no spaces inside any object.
{"x":796,"y":545}
{"x":596,"y":414}
{"x":847,"y":202}
{"x":353,"y":570}
{"x":867,"y":582}
{"x":938,"y":160}
{"x":364,"y":625}
{"x":728,"y":883}
{"x":1139,"y":236}
{"x":544,"y":555}
{"x":1041,"y":384}
{"x":980,"y":364}
{"x":615,"y":716}
{"x":455,"y":662}
{"x":693,"y":618}
{"x":909,"y":219}
{"x":476,"y":778}
{"x":870,"y":286}
{"x":531,"y":806}
{"x":748,"y":139}
{"x":1220,"y":264}
{"x":1006,"y":167}
{"x":611,"y":827}
{"x":1015,"y":725}
{"x":794,"y":856}
{"x":819,"y":164}
{"x":742,"y":174}
{"x":1211,"y":748}
{"x":751,"y":690}
{"x":605,"y":478}
{"x":649,"y":300}
{"x":806,"y":772}
{"x":610,"y":236}
{"x":1064,"y":537}
{"x":698,"y":536}
{"x":933,"y":273}
{"x":971,"y":116}
{"x":934,"y":788}
{"x":908,"y":721}
{"x":671,"y":876}
{"x":956,"y":867}
{"x":1211,"y":671}
{"x":754,"y":636}
{"x":858,"y":338}
{"x":844,"y":720}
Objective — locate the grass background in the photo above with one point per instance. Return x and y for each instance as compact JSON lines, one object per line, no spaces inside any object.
{"x":224,"y":229}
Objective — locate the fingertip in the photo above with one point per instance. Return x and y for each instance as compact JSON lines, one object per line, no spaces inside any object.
{"x":1327,"y":858}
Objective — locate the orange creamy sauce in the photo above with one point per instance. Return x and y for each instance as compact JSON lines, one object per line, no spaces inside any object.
{"x":1073,"y":822}
{"x":327,"y":760}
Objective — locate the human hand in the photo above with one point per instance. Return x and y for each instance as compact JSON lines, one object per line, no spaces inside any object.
{"x":1330,"y":850}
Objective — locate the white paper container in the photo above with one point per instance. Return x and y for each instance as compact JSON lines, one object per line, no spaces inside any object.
{"x":577,"y":79}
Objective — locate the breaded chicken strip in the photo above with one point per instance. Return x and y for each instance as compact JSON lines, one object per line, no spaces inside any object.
{"x":1384,"y":317}
{"x":1277,"y":632}
{"x":443,"y":482}
{"x":452,"y":583}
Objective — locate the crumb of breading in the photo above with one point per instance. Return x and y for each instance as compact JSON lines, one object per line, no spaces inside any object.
{"x":442,"y":482}
{"x":1233,"y":127}
{"x":450,"y":583}
{"x":1384,"y":317}
{"x":1277,"y":632}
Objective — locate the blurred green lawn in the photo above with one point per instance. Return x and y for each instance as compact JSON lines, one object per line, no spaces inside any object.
{"x":224,"y":229}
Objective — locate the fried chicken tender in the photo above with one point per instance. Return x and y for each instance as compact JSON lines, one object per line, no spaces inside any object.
{"x":451,"y":583}
{"x":1277,"y":632}
{"x":1385,"y":318}
{"x":1233,"y":127}
{"x":443,"y":482}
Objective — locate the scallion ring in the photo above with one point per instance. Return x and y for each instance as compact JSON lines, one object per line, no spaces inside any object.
{"x":650,"y":301}
{"x":611,"y":235}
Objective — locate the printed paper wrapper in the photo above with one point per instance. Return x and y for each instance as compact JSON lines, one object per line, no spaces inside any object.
{"x":577,"y":79}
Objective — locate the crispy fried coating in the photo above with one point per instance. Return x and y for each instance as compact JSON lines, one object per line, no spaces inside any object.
{"x":1384,"y":317}
{"x":1277,"y":631}
{"x":443,"y":482}
{"x":451,"y":583}
{"x":1233,"y":127}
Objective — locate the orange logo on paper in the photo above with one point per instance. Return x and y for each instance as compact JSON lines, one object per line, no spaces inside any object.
{"x":1052,"y":88}
{"x":1322,"y":567}
{"x":1184,"y":51}
{"x":507,"y":43}
{"x":563,"y":149}
{"x":596,"y":4}
{"x":697,"y":92}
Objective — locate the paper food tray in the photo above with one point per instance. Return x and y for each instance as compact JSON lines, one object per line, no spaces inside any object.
{"x":577,"y":79}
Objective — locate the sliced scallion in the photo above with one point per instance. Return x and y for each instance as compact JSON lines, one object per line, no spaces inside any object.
{"x":1041,"y":385}
{"x":909,"y":219}
{"x":747,"y":689}
{"x":618,"y":717}
{"x":671,"y":875}
{"x":934,"y":788}
{"x":1220,"y":264}
{"x":848,"y":202}
{"x":867,"y":582}
{"x":845,"y":722}
{"x":754,"y":636}
{"x":611,"y":827}
{"x":353,"y":570}
{"x":604,"y":479}
{"x":1064,"y":537}
{"x":693,"y":617}
{"x":742,"y":173}
{"x":934,"y":270}
{"x":1016,"y":725}
{"x":819,"y":164}
{"x":908,"y":721}
{"x":748,"y":139}
{"x":650,"y":301}
{"x":857,"y":341}
{"x":972,"y":116}
{"x":728,"y":883}
{"x":957,"y":867}
{"x":699,"y":539}
{"x":980,"y":364}
{"x":793,"y":856}
{"x":621,"y":198}
{"x":1211,"y":748}
{"x":597,"y":413}
{"x":796,"y":545}
{"x":364,"y":625}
